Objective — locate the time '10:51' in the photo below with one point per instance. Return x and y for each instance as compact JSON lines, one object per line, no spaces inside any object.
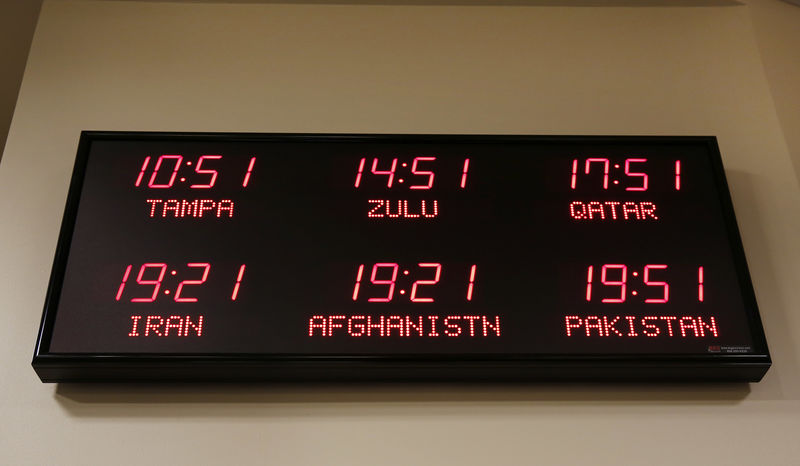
{"x":171,"y":168}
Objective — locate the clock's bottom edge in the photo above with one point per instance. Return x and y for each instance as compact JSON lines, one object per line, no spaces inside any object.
{"x":345,"y":372}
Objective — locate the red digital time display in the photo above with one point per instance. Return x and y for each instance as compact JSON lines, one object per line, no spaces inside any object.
{"x":446,"y":249}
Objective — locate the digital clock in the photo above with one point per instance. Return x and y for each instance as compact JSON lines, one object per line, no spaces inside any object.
{"x":188,"y":256}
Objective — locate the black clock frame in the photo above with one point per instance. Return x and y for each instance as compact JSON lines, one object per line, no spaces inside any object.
{"x":52,"y":367}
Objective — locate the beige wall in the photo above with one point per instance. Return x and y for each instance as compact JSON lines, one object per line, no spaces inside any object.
{"x":777,"y":31}
{"x":17,"y":22}
{"x":433,"y":69}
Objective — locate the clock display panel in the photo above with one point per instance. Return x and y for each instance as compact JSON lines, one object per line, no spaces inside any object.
{"x":399,"y":245}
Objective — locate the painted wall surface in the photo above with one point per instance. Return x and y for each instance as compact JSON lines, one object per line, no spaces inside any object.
{"x":397,"y":68}
{"x":17,"y":22}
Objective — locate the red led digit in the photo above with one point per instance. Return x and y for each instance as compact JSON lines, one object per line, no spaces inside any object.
{"x":435,"y":280}
{"x":589,"y":283}
{"x":249,"y":171}
{"x":574,"y":179}
{"x":206,"y":266}
{"x":124,"y":280}
{"x":156,"y":283}
{"x":360,"y":171}
{"x":422,"y":172}
{"x":643,"y":176}
{"x":621,"y":282}
{"x":389,"y":173}
{"x":464,"y":173}
{"x":235,"y":293}
{"x":649,"y":282}
{"x":677,"y":175}
{"x":358,"y":281}
{"x":391,"y":282}
{"x":605,"y":163}
{"x":471,"y":286}
{"x":213,"y":173}
{"x":141,"y":172}
{"x":700,"y":293}
{"x":178,"y":159}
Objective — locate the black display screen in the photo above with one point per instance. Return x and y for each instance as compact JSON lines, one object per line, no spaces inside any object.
{"x":348,"y":245}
